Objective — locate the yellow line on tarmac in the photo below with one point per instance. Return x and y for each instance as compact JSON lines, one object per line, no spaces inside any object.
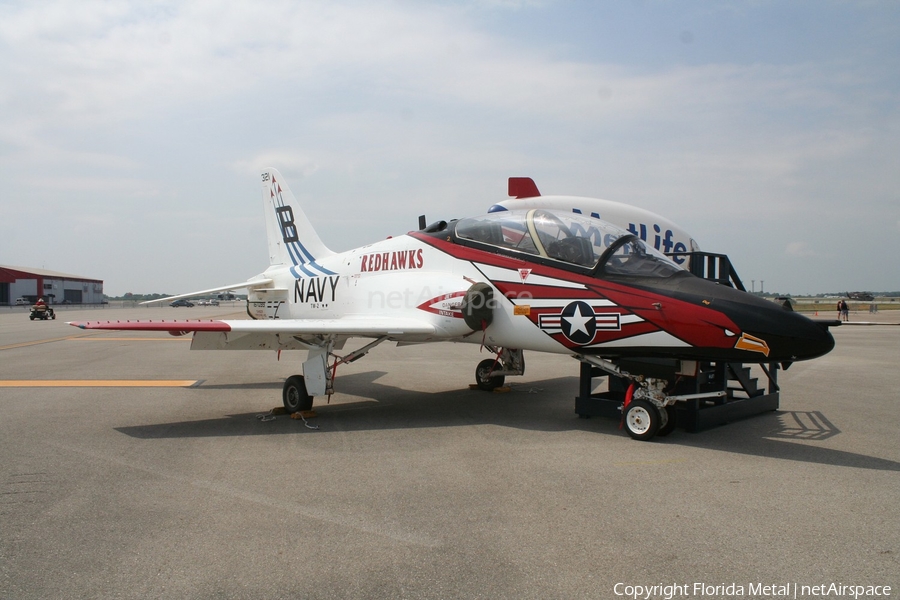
{"x":93,"y":337}
{"x":130,"y":339}
{"x":100,"y":382}
{"x":645,"y":463}
{"x":36,"y":342}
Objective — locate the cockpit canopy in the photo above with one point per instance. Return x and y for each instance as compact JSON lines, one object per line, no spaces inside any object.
{"x":569,"y":240}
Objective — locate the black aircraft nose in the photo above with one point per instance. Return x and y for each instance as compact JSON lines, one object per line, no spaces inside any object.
{"x":789,"y":336}
{"x":769,"y":331}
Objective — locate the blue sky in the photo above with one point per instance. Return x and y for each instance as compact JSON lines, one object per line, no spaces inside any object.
{"x":131,"y":134}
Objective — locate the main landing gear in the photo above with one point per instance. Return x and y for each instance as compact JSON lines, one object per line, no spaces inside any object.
{"x":491,"y":372}
{"x":297,"y":394}
{"x":294,"y":395}
{"x":318,"y":375}
{"x":477,"y":309}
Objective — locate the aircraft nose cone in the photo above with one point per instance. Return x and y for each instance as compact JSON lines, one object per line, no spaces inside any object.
{"x":766,"y":328}
{"x":795,"y":337}
{"x":790,"y":336}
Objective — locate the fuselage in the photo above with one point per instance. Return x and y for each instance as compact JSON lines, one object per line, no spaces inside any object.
{"x":400,"y":277}
{"x":542,"y":302}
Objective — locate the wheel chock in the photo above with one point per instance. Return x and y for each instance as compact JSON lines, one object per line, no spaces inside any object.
{"x":304,"y":414}
{"x":279,"y":410}
{"x":498,"y":390}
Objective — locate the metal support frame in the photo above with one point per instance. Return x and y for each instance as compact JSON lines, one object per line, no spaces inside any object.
{"x":704,"y":400}
{"x":712,"y":266}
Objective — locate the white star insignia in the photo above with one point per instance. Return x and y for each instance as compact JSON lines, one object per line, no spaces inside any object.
{"x":578,"y":322}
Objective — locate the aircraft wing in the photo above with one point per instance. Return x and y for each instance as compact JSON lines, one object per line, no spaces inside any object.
{"x":271,"y":334}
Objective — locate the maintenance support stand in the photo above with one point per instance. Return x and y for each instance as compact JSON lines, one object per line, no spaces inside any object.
{"x":739,"y":395}
{"x":742,"y":396}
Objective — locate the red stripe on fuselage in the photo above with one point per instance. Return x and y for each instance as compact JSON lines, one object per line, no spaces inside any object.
{"x":694,"y":324}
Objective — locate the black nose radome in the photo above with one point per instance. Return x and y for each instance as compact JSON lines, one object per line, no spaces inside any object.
{"x":790,"y":336}
{"x":787,"y":335}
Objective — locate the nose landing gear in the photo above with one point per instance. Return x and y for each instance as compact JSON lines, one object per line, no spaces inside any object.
{"x":705,"y":394}
{"x":642,"y":419}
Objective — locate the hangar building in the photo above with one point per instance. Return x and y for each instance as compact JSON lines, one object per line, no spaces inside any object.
{"x":54,"y":287}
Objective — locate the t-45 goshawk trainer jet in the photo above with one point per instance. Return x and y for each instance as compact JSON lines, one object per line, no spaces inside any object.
{"x":514,"y":280}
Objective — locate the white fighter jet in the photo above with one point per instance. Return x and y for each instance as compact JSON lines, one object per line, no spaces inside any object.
{"x":512,"y":280}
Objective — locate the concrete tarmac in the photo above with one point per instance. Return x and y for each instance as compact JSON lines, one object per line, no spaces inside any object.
{"x":414,"y":486}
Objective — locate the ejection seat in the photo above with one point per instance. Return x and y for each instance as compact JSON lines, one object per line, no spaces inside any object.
{"x":575,"y":250}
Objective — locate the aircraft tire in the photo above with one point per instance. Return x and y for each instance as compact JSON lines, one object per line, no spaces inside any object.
{"x":641,"y":420}
{"x":671,"y":420}
{"x":483,"y":378}
{"x":294,"y":395}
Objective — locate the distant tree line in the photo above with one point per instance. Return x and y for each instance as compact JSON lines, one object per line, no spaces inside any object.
{"x":138,"y":297}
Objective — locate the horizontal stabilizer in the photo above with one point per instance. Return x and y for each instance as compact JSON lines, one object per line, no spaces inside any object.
{"x":254,"y":283}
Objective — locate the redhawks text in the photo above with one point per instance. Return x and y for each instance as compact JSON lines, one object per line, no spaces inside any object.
{"x":392,"y":261}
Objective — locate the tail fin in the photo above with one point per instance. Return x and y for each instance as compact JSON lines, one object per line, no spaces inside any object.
{"x":292,"y":239}
{"x":522,"y":187}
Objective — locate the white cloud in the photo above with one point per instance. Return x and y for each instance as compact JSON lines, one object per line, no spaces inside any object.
{"x":288,"y":161}
{"x":391,"y":109}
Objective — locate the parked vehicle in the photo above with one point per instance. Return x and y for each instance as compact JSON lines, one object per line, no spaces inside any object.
{"x":22,"y":302}
{"x":42,"y":312}
{"x":181,"y":302}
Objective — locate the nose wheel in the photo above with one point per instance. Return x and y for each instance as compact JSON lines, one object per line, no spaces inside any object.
{"x":642,"y":419}
{"x":669,"y":420}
